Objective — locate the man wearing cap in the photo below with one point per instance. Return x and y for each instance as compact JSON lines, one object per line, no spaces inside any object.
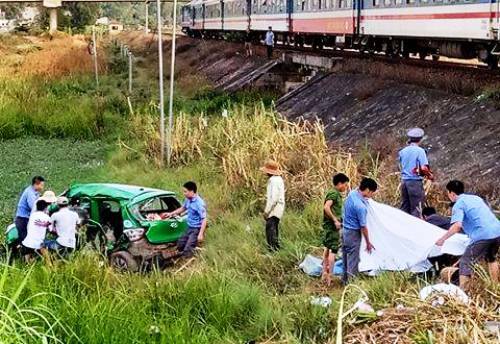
{"x":414,"y":167}
{"x":64,"y":223}
{"x":275,"y":203}
{"x":26,"y":205}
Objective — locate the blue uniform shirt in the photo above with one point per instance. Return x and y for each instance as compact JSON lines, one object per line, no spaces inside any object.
{"x":196,"y":211}
{"x":355,"y":209}
{"x":478,"y":221}
{"x":410,"y":157}
{"x":27,"y":202}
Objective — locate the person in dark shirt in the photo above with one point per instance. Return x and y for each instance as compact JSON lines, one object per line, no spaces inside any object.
{"x":431,"y":216}
{"x":248,"y":43}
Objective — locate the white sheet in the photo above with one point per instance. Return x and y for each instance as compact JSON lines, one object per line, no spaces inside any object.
{"x":402,"y":241}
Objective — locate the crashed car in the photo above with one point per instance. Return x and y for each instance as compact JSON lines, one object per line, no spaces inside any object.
{"x":127,"y":220}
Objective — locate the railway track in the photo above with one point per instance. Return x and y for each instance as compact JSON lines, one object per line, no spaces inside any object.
{"x":410,"y":61}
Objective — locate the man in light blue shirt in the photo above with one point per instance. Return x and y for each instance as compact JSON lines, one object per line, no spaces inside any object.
{"x":269,"y":41}
{"x":196,"y":211}
{"x":472,"y":215}
{"x":354,"y":225}
{"x":414,"y":166}
{"x":25,"y":206}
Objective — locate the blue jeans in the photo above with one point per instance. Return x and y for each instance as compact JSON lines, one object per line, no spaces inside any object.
{"x":53,"y":245}
{"x":188,"y":242}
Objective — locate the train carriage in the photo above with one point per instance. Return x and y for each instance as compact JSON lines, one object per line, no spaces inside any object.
{"x":452,"y":28}
{"x":236,"y":15}
{"x":272,"y":13}
{"x":213,"y":16}
{"x":323,"y":22}
{"x":198,"y":15}
{"x":323,"y":17}
{"x":186,"y":17}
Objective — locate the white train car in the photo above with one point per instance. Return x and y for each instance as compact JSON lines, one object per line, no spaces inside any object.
{"x":469,"y":19}
{"x":453,"y":28}
{"x":213,"y":15}
{"x":269,"y":13}
{"x":334,"y":17}
{"x":236,"y":17}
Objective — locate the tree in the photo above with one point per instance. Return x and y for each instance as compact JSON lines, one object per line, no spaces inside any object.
{"x":72,"y":15}
{"x":12,"y":11}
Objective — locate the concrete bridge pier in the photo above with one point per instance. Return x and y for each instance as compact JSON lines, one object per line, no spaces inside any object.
{"x":52,"y":20}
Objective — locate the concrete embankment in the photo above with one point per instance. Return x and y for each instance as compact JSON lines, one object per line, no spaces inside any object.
{"x":358,"y":107}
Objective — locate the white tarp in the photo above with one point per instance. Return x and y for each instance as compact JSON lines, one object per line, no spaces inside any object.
{"x":402,"y":241}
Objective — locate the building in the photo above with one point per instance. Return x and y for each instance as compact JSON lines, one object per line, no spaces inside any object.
{"x":115,"y":27}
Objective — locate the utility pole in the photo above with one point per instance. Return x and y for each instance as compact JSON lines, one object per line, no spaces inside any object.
{"x":94,"y":51}
{"x":160,"y":82}
{"x":129,"y":72}
{"x":146,"y":29}
{"x":171,"y":100}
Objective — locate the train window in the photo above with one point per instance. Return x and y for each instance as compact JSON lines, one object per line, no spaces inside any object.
{"x":281,"y":6}
{"x":376,"y":3}
{"x":387,"y":3}
{"x":399,"y":2}
{"x":410,"y":2}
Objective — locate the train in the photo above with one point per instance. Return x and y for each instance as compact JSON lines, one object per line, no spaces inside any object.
{"x":463,"y":29}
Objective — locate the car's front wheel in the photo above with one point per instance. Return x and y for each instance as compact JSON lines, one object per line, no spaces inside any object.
{"x":123,"y":261}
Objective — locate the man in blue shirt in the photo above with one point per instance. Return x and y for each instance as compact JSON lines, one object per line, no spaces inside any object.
{"x":472,"y":215}
{"x":414,"y":166}
{"x":26,"y":205}
{"x":196,"y":219}
{"x":354,"y":225}
{"x":269,"y":41}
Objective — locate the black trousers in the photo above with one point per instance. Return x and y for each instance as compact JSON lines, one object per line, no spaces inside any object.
{"x":269,"y":51}
{"x":22,"y":229}
{"x":272,"y":233}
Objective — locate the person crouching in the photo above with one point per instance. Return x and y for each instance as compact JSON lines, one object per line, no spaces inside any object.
{"x":474,"y":217}
{"x":39,"y":222}
{"x":64,"y":224}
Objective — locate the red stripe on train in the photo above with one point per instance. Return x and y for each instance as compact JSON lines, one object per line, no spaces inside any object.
{"x":341,"y":25}
{"x":463,"y":15}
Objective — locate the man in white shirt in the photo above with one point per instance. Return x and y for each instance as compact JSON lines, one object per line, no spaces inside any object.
{"x":37,"y":227}
{"x":64,"y":223}
{"x":275,"y":203}
{"x":269,"y":42}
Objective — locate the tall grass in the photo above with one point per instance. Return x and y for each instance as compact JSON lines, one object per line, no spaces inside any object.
{"x":67,"y":108}
{"x":240,"y":143}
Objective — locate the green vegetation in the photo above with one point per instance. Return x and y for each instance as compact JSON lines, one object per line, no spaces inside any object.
{"x":235,"y":291}
{"x":60,"y":161}
{"x":68,"y":108}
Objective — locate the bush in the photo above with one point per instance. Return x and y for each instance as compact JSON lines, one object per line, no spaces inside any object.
{"x":242,"y":142}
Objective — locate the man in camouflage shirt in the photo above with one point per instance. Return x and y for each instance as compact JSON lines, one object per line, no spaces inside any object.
{"x":332,"y":223}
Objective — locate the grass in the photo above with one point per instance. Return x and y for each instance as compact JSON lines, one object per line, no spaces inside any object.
{"x":235,"y":291}
{"x":61,"y":162}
